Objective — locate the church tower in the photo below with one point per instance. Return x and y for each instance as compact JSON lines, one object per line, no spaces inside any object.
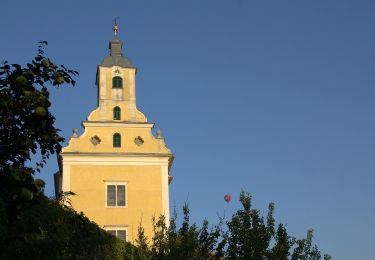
{"x":117,"y":168}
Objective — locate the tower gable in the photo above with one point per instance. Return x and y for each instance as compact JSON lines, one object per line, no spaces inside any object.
{"x":116,"y":88}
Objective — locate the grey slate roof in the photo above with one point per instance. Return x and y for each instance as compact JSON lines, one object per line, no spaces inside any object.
{"x":120,"y":61}
{"x":115,"y":58}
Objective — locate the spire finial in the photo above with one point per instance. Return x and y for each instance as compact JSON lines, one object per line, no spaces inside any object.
{"x":115,"y":26}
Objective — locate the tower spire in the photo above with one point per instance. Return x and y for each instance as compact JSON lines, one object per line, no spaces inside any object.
{"x":115,"y":45}
{"x":115,"y":27}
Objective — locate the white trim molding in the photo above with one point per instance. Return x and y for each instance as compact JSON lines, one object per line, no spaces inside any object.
{"x":105,"y":159}
{"x":65,"y":178}
{"x":116,"y":124}
{"x":165,"y":192}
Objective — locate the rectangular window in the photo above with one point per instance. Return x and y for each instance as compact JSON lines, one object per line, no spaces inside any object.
{"x":119,"y":232}
{"x":116,"y":195}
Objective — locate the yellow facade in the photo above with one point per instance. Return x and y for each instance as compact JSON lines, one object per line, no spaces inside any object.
{"x":124,"y":182}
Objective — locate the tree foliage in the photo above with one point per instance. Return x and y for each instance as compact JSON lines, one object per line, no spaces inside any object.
{"x":27,"y":127}
{"x":26,"y":122}
{"x":246,"y":235}
{"x":45,"y":229}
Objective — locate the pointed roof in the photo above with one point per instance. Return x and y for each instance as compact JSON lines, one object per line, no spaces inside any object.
{"x":115,"y":57}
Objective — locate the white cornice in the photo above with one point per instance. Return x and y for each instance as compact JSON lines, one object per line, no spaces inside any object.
{"x":119,"y":155}
{"x":72,"y":159}
{"x":125,"y":124}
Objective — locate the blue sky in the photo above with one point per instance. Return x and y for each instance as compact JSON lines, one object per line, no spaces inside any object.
{"x":272,"y":97}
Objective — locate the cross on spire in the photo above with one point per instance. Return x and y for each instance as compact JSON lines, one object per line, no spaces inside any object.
{"x":115,"y":26}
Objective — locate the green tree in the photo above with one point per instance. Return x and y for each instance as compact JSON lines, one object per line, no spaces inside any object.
{"x":141,"y":242}
{"x":26,"y":127}
{"x":249,"y":236}
{"x":187,"y":242}
{"x":283,"y":244}
{"x":159,"y":247}
{"x":305,"y":250}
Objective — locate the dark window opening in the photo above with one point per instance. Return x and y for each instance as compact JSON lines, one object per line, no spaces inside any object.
{"x":117,"y":82}
{"x":117,"y":113}
{"x":116,"y":140}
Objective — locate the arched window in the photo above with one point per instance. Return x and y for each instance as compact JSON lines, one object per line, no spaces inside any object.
{"x":116,"y":82}
{"x":116,"y":113}
{"x":116,"y":140}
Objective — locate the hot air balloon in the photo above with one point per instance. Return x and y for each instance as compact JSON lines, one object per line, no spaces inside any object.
{"x":227,"y":198}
